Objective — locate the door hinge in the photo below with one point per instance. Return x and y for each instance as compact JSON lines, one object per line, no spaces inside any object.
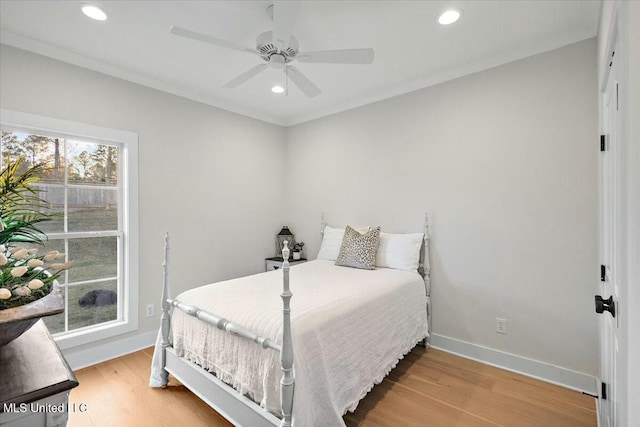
{"x":603,"y":143}
{"x":603,"y":391}
{"x":603,"y":273}
{"x":612,"y":55}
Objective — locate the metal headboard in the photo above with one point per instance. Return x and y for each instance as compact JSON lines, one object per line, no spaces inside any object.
{"x":424,"y":266}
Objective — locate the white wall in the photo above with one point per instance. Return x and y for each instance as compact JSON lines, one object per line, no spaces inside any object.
{"x":210,"y":177}
{"x":505,"y":163}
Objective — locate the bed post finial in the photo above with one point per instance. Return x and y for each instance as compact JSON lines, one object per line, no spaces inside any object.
{"x":426,"y":225}
{"x":164,"y":319}
{"x":323,"y":223}
{"x":286,"y":355}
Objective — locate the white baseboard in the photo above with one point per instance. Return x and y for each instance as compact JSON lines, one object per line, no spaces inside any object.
{"x":522,"y":365}
{"x":578,"y":381}
{"x":98,"y":353}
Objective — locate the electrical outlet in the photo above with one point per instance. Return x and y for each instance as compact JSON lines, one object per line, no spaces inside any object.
{"x":150,"y":310}
{"x":501,"y":326}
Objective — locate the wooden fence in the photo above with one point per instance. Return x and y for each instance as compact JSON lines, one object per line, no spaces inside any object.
{"x":78,"y":197}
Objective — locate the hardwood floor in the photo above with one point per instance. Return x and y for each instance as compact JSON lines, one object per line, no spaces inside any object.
{"x":428,"y":387}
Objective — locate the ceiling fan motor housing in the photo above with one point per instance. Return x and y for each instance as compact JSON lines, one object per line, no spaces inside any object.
{"x":266,"y":48}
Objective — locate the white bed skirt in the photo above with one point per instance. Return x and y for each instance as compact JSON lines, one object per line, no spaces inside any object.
{"x":350,"y":328}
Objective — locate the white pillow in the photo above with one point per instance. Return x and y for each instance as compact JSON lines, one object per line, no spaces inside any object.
{"x":399,"y":251}
{"x":332,"y":242}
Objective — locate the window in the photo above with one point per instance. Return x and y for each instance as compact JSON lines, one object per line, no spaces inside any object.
{"x":91,"y":184}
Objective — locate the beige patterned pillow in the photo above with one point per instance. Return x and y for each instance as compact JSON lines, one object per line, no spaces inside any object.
{"x":359,"y":250}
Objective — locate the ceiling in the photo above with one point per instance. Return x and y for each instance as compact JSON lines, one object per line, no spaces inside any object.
{"x":411,"y":49}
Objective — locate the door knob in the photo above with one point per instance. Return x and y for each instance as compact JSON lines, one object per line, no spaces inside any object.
{"x":605,"y":304}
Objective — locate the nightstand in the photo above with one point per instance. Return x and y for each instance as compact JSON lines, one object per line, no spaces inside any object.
{"x":36,"y":381}
{"x":275,"y":263}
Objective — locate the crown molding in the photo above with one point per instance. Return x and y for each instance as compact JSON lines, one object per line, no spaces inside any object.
{"x":75,"y":58}
{"x":45,"y":49}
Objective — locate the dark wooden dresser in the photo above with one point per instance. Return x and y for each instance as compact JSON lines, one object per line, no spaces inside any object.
{"x":35,"y":381}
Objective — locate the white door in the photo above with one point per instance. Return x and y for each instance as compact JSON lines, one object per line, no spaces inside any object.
{"x":606,"y":301}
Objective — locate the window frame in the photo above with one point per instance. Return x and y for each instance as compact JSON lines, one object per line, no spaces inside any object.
{"x":128,"y":162}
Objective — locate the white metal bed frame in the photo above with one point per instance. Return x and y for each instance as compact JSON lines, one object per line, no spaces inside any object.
{"x":239,"y":409}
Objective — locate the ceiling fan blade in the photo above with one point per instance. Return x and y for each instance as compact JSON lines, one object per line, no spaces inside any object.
{"x":284,"y":18}
{"x":183,"y":32}
{"x":344,"y":56}
{"x":246,"y":76}
{"x":303,"y":83}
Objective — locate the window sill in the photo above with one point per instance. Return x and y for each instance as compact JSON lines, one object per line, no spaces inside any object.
{"x":90,"y":334}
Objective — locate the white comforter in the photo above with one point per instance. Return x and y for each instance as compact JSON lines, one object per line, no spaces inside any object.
{"x":350,"y":328}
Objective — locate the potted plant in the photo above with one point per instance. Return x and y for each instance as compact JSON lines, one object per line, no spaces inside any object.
{"x":297,"y":250}
{"x":28,"y":286}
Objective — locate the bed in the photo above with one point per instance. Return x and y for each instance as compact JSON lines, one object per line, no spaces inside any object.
{"x":342,"y":328}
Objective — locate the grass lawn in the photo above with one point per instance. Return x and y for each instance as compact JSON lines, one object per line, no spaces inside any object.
{"x":83,"y":316}
{"x":83,"y":220}
{"x":94,"y":258}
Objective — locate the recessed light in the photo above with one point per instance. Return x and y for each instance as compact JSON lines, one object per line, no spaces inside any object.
{"x":277,"y":89}
{"x":449,"y":16}
{"x":94,"y":12}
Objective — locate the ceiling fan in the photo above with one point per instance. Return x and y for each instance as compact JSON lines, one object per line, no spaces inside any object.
{"x":279,"y":47}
